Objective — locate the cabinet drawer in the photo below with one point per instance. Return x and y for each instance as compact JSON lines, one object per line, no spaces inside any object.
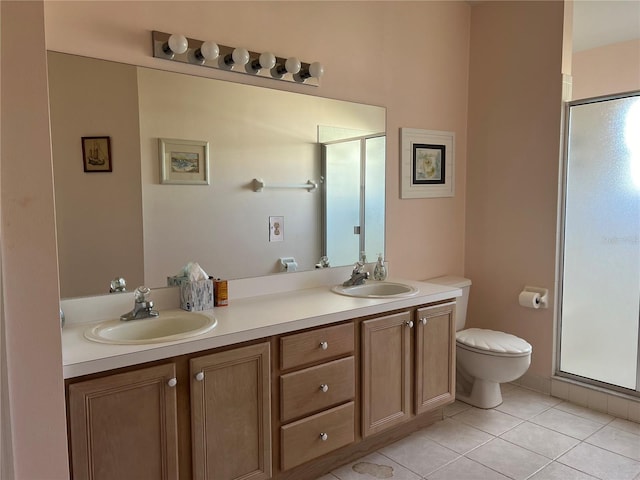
{"x":321,"y":344}
{"x":303,"y":440}
{"x":315,"y":388}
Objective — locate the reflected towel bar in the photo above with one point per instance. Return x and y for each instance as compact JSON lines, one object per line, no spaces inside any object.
{"x":259,"y":185}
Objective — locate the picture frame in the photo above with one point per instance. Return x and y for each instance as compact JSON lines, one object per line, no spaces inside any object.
{"x":183,"y":162}
{"x":427,"y":163}
{"x":96,"y":154}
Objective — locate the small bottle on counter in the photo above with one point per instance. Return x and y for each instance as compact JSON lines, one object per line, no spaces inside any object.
{"x":380,"y":271}
{"x":221,"y":296}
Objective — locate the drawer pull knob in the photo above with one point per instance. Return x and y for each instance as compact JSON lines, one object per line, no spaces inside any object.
{"x":409,"y":323}
{"x":324,"y":345}
{"x":324,"y":437}
{"x":324,"y":388}
{"x":199,"y":376}
{"x":172,"y":382}
{"x":423,"y":320}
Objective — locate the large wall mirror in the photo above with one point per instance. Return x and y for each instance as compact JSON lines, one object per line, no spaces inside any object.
{"x":127,"y":222}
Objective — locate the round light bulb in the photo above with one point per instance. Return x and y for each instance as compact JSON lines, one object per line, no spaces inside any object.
{"x":316,"y":70}
{"x":240,"y":56}
{"x":209,"y":50}
{"x":178,"y":43}
{"x":267,"y":60}
{"x":292,"y":65}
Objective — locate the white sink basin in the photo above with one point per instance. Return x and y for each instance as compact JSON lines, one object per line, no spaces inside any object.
{"x":171,"y":325}
{"x":373,"y":289}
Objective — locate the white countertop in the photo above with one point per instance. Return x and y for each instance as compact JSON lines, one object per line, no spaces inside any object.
{"x":242,"y":320}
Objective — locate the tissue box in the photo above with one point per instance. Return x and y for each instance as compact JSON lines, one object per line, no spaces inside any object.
{"x":194,"y":296}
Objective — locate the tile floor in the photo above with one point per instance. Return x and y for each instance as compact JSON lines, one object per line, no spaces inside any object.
{"x":530,"y":436}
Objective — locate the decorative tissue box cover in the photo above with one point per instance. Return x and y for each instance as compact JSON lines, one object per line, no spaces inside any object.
{"x":194,"y":296}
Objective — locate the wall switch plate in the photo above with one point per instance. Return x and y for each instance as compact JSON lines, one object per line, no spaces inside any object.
{"x":276,"y":229}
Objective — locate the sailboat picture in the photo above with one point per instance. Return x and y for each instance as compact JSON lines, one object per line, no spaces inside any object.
{"x":96,"y":153}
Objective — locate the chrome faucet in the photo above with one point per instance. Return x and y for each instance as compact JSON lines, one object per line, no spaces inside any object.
{"x":358,"y":276}
{"x":142,"y":308}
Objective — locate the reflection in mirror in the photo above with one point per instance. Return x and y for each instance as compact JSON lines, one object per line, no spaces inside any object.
{"x":127,"y":224}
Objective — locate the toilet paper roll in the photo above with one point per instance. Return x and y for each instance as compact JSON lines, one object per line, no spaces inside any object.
{"x":529,"y":299}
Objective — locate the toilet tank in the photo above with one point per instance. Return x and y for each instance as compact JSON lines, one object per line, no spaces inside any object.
{"x":461,"y":302}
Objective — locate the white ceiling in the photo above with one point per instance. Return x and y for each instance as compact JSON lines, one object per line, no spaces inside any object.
{"x":601,"y":22}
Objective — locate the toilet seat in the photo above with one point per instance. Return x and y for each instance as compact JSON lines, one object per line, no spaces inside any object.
{"x":491,"y":342}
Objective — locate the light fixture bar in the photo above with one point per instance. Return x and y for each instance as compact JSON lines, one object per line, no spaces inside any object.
{"x":233,"y":59}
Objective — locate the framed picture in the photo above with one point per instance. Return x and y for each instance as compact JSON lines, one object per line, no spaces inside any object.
{"x":427,"y":163}
{"x":183,"y":162}
{"x":96,"y":154}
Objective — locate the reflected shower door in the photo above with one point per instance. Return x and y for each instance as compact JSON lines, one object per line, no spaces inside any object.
{"x":600,"y":302}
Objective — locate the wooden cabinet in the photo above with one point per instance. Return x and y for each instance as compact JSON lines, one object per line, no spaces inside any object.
{"x":386,"y":370}
{"x":387,"y":374}
{"x":124,"y":426}
{"x":435,"y":357}
{"x":231,"y":414}
{"x":317,"y":408}
{"x":209,"y":415}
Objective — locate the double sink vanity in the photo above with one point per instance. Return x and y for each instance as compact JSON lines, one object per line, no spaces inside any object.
{"x":284,"y":385}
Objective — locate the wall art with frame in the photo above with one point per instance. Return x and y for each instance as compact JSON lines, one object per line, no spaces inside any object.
{"x":427,"y":163}
{"x":183,"y":162}
{"x":96,"y":154}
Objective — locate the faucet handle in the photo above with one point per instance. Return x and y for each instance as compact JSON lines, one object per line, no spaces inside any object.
{"x":142,"y":293}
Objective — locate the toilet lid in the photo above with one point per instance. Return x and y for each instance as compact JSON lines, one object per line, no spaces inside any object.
{"x":492,"y":341}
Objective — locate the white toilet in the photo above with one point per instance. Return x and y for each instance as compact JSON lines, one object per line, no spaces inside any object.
{"x":484,"y":358}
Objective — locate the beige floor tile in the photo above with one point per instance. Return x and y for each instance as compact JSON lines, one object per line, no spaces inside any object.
{"x":455,"y":408}
{"x":626,"y":425}
{"x":466,"y":469}
{"x":584,"y":412}
{"x":419,"y":454}
{"x":558,"y":471}
{"x":328,"y":476}
{"x":456,"y":435}
{"x":521,"y":405}
{"x":541,"y":440}
{"x":490,"y":421}
{"x":617,"y":441}
{"x":374,"y":466}
{"x":601,"y":463}
{"x":508,"y":459}
{"x":567,"y":423}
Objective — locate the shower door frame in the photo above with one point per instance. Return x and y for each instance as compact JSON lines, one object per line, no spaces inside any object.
{"x":562,"y":185}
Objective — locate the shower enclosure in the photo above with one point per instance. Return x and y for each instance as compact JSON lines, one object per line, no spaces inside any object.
{"x":600,"y":268}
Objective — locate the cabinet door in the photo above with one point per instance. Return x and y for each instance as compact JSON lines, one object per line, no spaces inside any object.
{"x":386,"y":359}
{"x":435,"y":357}
{"x":124,"y":426}
{"x":231,"y":414}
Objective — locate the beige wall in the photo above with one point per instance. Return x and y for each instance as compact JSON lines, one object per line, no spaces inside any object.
{"x":514,"y":144}
{"x":606,"y":70}
{"x":99,"y":215}
{"x":411,"y":57}
{"x":29,"y":270}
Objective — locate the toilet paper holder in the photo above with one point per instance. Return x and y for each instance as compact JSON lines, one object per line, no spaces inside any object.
{"x":288,"y":264}
{"x":543,"y":292}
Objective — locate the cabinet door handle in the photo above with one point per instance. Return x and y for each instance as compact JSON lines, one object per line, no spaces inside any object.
{"x":409,"y":323}
{"x":172,"y":382}
{"x":324,"y":437}
{"x":324,"y":388}
{"x":423,"y":320}
{"x":324,"y":345}
{"x":199,"y":376}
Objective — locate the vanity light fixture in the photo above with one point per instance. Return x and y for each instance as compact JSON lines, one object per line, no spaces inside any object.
{"x":179,"y":48}
{"x":266,"y":60}
{"x":239,"y":56}
{"x":175,"y":44}
{"x":206,"y":51}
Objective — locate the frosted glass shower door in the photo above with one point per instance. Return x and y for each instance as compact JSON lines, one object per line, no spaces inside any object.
{"x":601,"y":271}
